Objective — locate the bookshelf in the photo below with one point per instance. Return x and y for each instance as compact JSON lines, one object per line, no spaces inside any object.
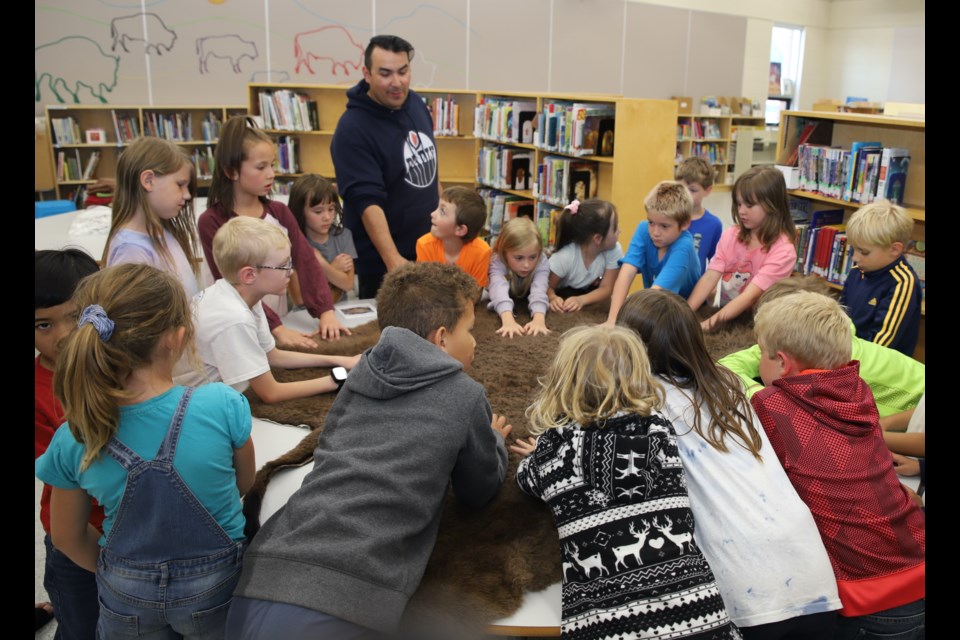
{"x":457,"y":148}
{"x":192,"y":127}
{"x":641,"y":155}
{"x":842,"y":130}
{"x":715,"y":138}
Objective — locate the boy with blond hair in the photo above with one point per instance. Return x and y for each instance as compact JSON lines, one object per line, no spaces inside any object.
{"x":343,"y":556}
{"x":233,"y":338}
{"x":453,"y":234}
{"x":823,"y":424}
{"x":661,"y":249}
{"x":696,"y":174}
{"x":897,"y":381}
{"x":882,"y":293}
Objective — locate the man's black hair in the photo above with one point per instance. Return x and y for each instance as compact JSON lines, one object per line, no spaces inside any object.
{"x":395,"y":44}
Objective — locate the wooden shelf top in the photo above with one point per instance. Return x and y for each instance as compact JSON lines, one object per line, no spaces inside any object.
{"x":858,"y":118}
{"x":917,"y":213}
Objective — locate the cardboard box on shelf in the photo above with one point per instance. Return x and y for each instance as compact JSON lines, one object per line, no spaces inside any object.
{"x":827,"y":105}
{"x":791,"y":175}
{"x":684,"y":105}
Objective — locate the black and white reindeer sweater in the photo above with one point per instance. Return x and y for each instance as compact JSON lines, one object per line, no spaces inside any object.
{"x":631,"y":568}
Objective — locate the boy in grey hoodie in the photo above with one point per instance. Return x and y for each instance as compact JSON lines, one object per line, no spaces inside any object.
{"x":343,"y":556}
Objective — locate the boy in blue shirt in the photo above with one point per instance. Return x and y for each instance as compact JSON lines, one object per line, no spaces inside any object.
{"x":696,"y":174}
{"x":882,"y":293}
{"x":661,"y":249}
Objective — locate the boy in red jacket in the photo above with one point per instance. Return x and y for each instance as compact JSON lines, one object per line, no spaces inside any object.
{"x":72,"y":589}
{"x":823,"y":424}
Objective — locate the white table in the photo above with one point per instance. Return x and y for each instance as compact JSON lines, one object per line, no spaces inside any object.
{"x":540,"y":613}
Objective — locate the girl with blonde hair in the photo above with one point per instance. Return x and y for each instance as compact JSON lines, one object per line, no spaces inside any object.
{"x":519,"y":269}
{"x":152,"y":221}
{"x":606,"y":464}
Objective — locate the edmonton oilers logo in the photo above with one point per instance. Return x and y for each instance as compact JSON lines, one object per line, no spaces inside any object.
{"x":420,"y":159}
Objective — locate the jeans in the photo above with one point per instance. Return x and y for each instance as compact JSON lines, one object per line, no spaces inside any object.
{"x":369,"y":284}
{"x":175,"y":599}
{"x":906,"y":622}
{"x":73,"y":594}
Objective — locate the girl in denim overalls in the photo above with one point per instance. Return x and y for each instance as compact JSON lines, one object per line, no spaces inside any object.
{"x":168,"y":463}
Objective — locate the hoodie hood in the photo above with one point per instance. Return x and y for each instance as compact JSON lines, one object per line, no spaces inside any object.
{"x":357,"y":98}
{"x":827,"y":395}
{"x":399,"y":363}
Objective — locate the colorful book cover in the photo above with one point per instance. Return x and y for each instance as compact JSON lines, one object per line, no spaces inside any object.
{"x":894,"y":163}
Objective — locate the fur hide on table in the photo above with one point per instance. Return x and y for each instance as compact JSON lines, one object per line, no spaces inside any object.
{"x":484,"y":559}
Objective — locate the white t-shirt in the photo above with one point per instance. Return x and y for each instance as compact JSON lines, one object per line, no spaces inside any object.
{"x":754,"y":530}
{"x":232,"y":339}
{"x":568,"y":264}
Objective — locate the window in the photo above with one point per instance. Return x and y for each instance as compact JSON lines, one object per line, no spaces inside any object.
{"x":786,"y":46}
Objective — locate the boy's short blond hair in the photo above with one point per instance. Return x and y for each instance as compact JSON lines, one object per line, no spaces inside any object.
{"x":695,"y":170}
{"x":671,"y":199}
{"x":245,"y":242}
{"x":808,"y":326}
{"x":879,"y":224}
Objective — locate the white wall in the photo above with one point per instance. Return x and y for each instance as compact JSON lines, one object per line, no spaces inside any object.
{"x":869,"y":48}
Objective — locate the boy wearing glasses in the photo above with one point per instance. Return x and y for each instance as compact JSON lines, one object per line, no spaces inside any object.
{"x":233,"y":337}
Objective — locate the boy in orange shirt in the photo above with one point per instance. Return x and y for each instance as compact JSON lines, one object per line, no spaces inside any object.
{"x":453,"y":234}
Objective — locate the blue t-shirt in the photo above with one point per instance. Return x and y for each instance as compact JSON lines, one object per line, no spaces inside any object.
{"x":217,"y":421}
{"x":679,"y":269}
{"x":706,"y":234}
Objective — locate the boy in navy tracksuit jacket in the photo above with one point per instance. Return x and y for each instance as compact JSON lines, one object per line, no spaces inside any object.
{"x":882,"y":293}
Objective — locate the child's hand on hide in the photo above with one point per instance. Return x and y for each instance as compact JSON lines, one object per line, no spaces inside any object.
{"x":499,"y":424}
{"x":524,"y":447}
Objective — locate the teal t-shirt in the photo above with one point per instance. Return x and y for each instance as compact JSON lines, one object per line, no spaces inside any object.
{"x":217,"y":421}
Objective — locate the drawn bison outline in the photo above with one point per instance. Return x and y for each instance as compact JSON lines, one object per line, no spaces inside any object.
{"x":122,"y":28}
{"x":231,"y":47}
{"x":98,"y":73}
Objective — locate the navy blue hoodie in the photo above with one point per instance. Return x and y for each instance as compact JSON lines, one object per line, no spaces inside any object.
{"x":388,"y":158}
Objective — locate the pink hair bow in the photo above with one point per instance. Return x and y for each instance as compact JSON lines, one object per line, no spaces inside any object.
{"x":574,"y":206}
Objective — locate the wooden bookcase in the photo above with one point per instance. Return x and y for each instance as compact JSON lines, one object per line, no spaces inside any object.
{"x":642,"y":152}
{"x":101,"y":117}
{"x":458,"y":154}
{"x":714,"y":138}
{"x":846,"y":128}
{"x":642,"y":156}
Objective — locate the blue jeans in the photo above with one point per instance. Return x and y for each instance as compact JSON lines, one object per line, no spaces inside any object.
{"x":73,"y":594}
{"x":906,"y":622}
{"x":187,"y":599}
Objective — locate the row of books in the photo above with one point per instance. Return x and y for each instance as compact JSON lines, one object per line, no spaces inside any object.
{"x":126,"y":126}
{"x":175,"y":126}
{"x":560,"y":180}
{"x":576,"y":128}
{"x":865,"y":172}
{"x":505,"y":120}
{"x":502,"y":207}
{"x":824,"y":251}
{"x":287,"y":110}
{"x":712,"y":152}
{"x":69,"y":166}
{"x":698,"y":128}
{"x":203,"y":162}
{"x":446,"y":115}
{"x":505,"y":167}
{"x":66,"y":131}
{"x":288,"y":154}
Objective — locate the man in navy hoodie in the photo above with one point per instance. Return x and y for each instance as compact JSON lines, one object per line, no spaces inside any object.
{"x":385,"y":161}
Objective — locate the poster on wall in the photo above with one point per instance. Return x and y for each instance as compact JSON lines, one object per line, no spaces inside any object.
{"x":774,"y":88}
